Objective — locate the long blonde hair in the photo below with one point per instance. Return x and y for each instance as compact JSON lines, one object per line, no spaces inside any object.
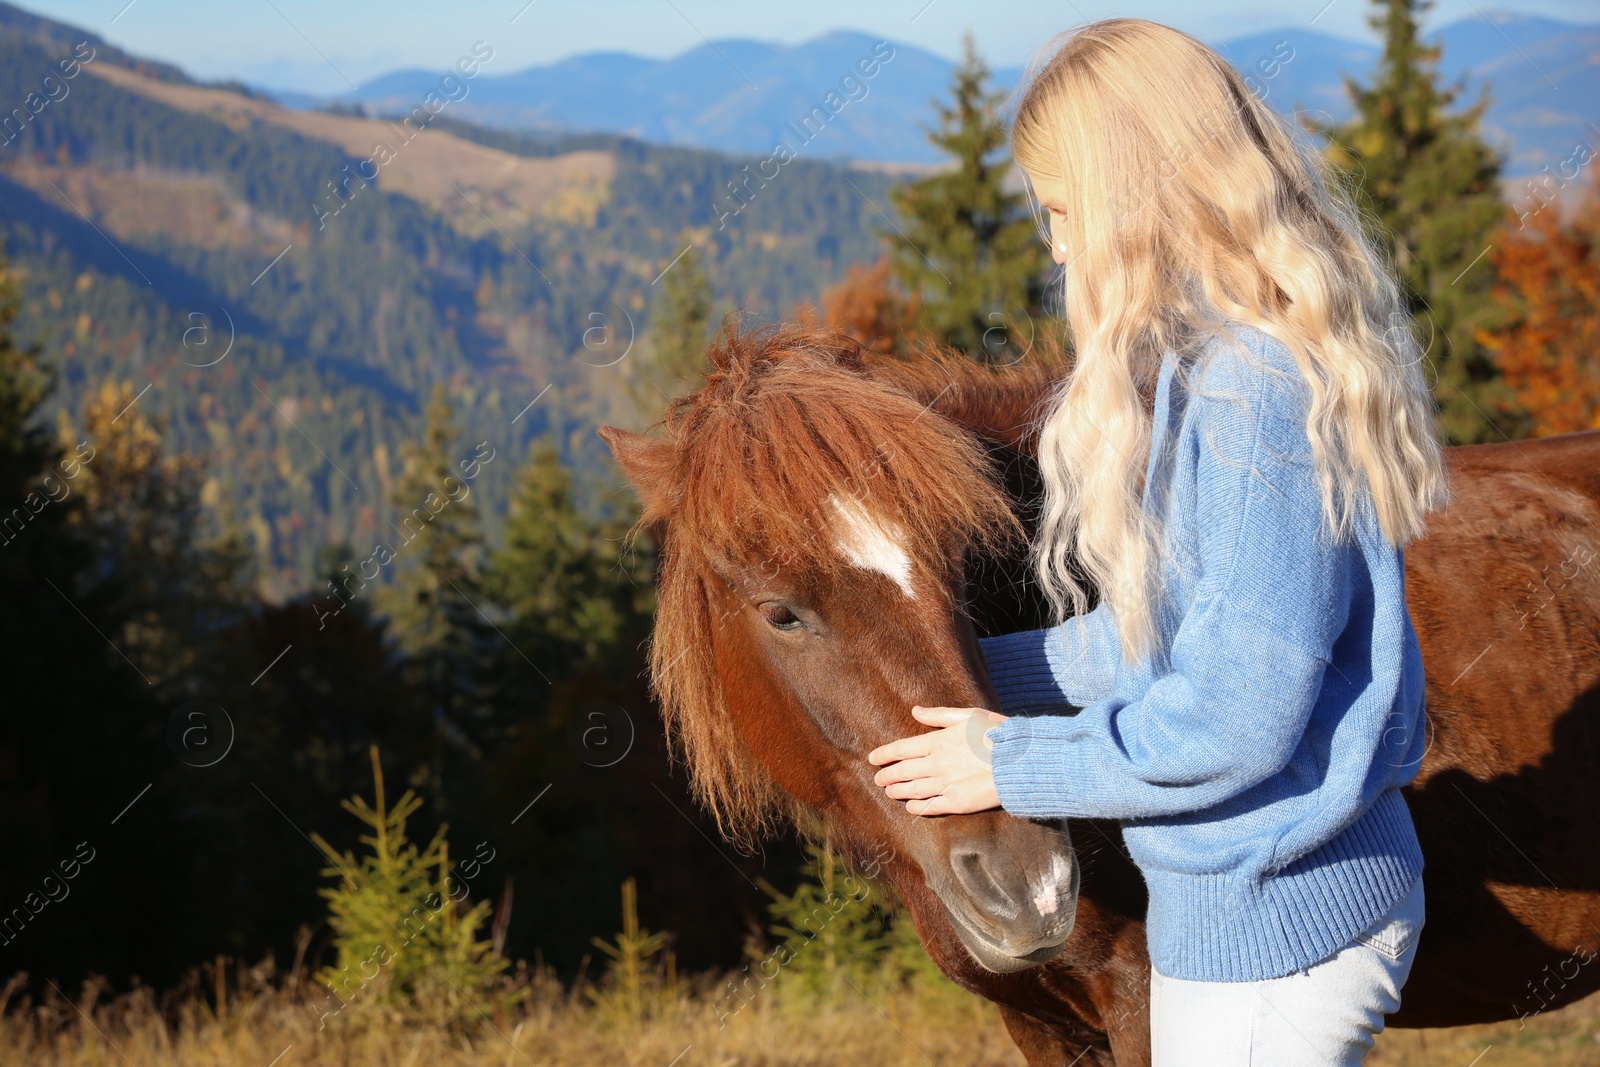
{"x":1190,"y":203}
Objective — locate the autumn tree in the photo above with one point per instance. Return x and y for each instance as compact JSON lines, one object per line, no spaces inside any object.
{"x":164,"y":574}
{"x":1424,"y":175}
{"x":1549,"y":285}
{"x":868,"y":306}
{"x":970,"y":256}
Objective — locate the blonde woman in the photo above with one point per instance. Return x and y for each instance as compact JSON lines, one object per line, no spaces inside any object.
{"x":1242,"y":448}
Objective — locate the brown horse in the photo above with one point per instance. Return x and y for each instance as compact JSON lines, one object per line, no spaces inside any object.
{"x":821,"y":522}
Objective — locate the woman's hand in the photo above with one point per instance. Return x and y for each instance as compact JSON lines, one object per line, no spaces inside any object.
{"x":946,"y":771}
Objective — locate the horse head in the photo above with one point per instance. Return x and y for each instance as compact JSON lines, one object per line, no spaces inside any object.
{"x":814,"y":521}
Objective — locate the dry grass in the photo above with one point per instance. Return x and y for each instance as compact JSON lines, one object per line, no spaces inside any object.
{"x":1566,"y":1038}
{"x":260,"y":1022}
{"x":252,"y":1020}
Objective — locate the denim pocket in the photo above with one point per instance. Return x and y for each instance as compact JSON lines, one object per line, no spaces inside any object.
{"x":1393,"y":934}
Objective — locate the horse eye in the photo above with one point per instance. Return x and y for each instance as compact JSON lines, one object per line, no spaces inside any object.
{"x":780,"y":617}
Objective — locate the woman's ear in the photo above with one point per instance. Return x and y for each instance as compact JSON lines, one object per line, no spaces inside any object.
{"x":647,"y":462}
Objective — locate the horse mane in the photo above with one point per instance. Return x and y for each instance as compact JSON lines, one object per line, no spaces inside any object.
{"x":1001,"y":404}
{"x":788,"y":419}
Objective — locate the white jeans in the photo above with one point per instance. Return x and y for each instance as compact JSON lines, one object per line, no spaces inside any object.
{"x":1325,"y":1016}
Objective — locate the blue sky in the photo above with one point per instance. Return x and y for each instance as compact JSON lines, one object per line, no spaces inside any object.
{"x":317,"y":45}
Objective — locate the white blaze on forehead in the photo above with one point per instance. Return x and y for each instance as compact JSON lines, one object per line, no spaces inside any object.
{"x":870,"y":544}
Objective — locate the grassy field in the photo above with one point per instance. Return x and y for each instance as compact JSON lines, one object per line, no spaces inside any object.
{"x":250,"y":1018}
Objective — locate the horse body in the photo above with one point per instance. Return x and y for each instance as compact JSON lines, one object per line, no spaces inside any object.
{"x":815,"y":518}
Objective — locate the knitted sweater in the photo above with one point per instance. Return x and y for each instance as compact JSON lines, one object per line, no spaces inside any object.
{"x":1256,"y":759}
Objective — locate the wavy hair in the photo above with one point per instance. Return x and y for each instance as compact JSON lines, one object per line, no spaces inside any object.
{"x":1189,"y":203}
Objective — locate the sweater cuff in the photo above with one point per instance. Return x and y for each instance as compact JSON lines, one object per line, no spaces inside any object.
{"x":1019,"y":669}
{"x":1029,"y":764}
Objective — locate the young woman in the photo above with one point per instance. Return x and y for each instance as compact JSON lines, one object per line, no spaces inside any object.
{"x":1243,"y":445}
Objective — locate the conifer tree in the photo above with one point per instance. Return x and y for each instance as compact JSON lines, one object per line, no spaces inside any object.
{"x":433,"y":605}
{"x":971,"y":257}
{"x":164,"y":582}
{"x":571,"y":591}
{"x":25,"y":448}
{"x":400,"y":932}
{"x":680,"y":327}
{"x":1422,"y":173}
{"x":634,"y":985}
{"x":833,"y":928}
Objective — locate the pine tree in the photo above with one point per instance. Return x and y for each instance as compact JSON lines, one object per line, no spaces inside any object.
{"x":680,"y":327}
{"x":433,"y":606}
{"x":833,"y":928}
{"x":26,"y":449}
{"x":399,"y":931}
{"x":642,"y":975}
{"x":1422,"y":173}
{"x":571,"y":590}
{"x":160,"y":578}
{"x":971,"y":255}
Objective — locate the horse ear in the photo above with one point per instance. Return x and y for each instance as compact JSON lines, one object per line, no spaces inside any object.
{"x":647,"y":462}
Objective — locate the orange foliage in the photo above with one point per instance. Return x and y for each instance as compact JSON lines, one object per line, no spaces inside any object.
{"x":1549,"y":279}
{"x":868,"y":308}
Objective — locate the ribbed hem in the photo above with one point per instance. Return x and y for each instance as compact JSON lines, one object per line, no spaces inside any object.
{"x":1209,"y":928}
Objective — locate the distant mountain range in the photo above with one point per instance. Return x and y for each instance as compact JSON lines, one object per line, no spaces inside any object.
{"x":737,"y":95}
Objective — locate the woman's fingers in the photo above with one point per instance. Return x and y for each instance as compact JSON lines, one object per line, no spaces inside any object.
{"x":943,"y":716}
{"x":916,"y":789}
{"x":905,"y":748}
{"x":904,"y":771}
{"x":957,"y":798}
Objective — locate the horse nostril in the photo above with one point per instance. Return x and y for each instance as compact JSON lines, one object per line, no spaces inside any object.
{"x":982,"y":887}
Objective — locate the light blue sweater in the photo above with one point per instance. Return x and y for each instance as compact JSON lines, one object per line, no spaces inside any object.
{"x":1256,"y":761}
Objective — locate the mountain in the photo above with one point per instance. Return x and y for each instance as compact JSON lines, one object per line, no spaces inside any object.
{"x":1539,"y":74}
{"x":284,"y":288}
{"x":730,"y":95}
{"x":738,"y":95}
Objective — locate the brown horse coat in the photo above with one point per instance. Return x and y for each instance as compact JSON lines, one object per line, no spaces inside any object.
{"x":787,"y":647}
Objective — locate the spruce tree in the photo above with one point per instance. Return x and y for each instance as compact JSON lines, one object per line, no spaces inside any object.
{"x":403,"y":929}
{"x":833,"y":928}
{"x":680,"y":327}
{"x":433,"y":604}
{"x":164,"y":583}
{"x":1423,"y":174}
{"x":971,"y":256}
{"x":571,"y":590}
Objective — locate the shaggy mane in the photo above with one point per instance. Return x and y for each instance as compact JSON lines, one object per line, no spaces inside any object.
{"x":787,"y":417}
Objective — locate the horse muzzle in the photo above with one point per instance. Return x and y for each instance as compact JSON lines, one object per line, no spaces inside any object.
{"x":1012,"y":908}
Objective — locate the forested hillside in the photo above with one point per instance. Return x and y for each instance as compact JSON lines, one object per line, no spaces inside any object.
{"x":287,"y":317}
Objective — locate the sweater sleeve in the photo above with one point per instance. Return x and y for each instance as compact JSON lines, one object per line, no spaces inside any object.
{"x":1042,"y":671}
{"x":1245,"y":665}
